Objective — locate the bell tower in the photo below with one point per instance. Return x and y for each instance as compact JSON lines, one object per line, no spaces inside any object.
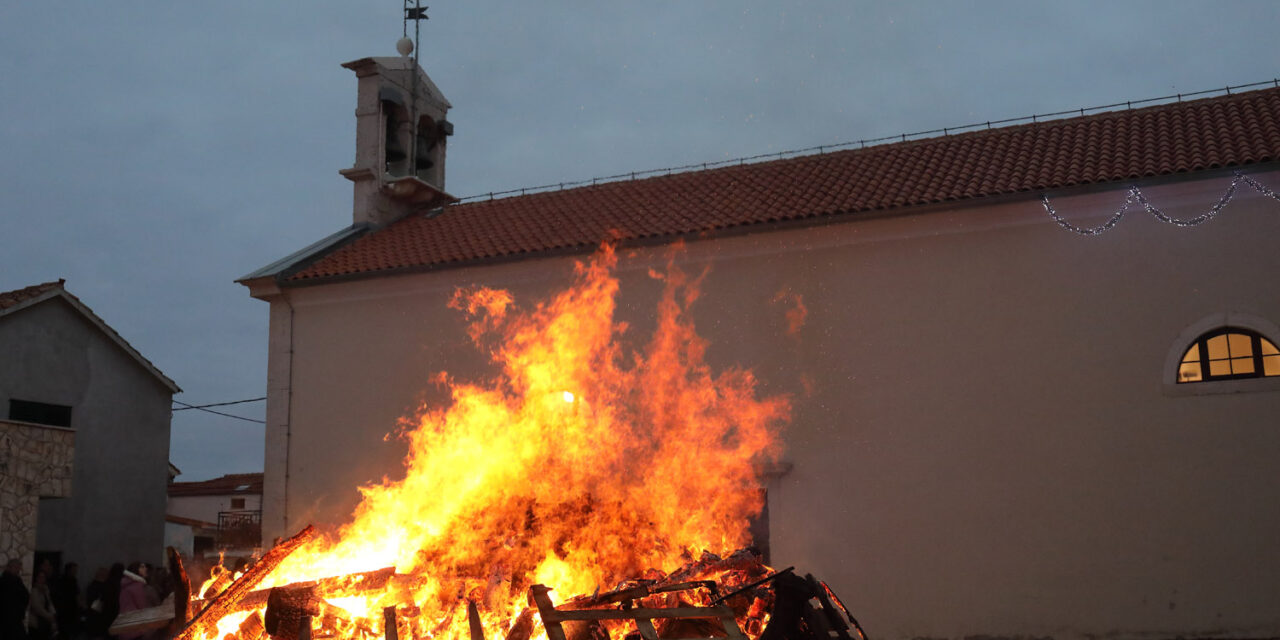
{"x":401,"y":136}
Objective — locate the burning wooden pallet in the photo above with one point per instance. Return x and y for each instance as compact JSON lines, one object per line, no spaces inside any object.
{"x":553,"y":620}
{"x":686,"y":604}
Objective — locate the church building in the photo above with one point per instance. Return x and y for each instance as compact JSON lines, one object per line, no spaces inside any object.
{"x":1016,"y":412}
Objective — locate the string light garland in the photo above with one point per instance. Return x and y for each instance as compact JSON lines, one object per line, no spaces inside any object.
{"x":1135,"y":195}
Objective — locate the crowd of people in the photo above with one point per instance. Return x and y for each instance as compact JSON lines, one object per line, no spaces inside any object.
{"x":54,"y":607}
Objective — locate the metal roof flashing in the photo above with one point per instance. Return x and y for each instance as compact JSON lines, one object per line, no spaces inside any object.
{"x":299,"y":259}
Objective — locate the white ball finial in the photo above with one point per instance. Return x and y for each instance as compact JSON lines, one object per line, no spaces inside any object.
{"x":404,"y":46}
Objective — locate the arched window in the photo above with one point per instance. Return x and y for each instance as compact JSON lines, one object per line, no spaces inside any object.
{"x":1229,"y":353}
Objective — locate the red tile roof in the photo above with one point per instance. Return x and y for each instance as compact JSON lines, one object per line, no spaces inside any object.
{"x":190,"y":522}
{"x":231,"y":484}
{"x":18,"y":296}
{"x":1231,"y":130}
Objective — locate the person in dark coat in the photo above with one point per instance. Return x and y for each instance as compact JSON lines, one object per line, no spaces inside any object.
{"x":109,"y":603}
{"x":14,"y":598}
{"x":94,"y":596}
{"x":66,"y":600}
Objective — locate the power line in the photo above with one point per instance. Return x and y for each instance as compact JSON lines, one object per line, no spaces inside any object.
{"x":227,"y":415}
{"x":216,"y":404}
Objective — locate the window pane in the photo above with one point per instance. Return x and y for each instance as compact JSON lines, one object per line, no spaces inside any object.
{"x":1268,"y":348}
{"x":1218,"y":348}
{"x":1242,"y":365}
{"x":1241,"y":345}
{"x":1193,"y":354}
{"x":1229,"y":354}
{"x":55,"y":415}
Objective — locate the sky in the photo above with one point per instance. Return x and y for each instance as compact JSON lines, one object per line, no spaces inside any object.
{"x":153,"y":152}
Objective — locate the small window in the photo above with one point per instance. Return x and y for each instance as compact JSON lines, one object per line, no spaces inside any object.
{"x":237,"y":503}
{"x":54,"y":415}
{"x":1229,"y":353}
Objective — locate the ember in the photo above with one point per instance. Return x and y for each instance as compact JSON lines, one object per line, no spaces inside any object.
{"x":613,"y":476}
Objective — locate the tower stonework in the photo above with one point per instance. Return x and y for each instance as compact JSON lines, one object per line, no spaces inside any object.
{"x":401,"y":137}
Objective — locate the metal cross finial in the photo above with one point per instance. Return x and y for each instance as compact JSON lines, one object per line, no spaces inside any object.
{"x":413,"y":10}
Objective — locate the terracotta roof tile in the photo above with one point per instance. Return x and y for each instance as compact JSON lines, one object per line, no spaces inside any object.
{"x":1231,"y":130}
{"x":18,"y":296}
{"x":231,"y":484}
{"x":190,"y":522}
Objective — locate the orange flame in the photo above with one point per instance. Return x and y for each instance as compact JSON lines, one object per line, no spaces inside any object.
{"x":582,"y":464}
{"x":796,"y":314}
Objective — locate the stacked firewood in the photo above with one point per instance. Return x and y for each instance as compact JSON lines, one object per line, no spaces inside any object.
{"x":736,"y":597}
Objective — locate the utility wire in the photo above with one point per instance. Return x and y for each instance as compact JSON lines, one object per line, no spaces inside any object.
{"x":216,"y":404}
{"x":227,"y":415}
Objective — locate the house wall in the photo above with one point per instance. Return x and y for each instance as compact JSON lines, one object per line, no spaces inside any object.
{"x":206,"y":508}
{"x":35,"y":463}
{"x":120,"y":415}
{"x":180,"y":537}
{"x":983,"y":440}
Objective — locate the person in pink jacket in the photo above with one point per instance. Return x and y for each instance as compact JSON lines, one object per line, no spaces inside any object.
{"x":135,"y":594}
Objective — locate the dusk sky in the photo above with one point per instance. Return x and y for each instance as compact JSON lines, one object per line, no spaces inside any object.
{"x":153,"y":152}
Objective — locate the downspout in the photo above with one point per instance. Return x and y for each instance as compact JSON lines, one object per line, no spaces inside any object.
{"x":288,"y":416}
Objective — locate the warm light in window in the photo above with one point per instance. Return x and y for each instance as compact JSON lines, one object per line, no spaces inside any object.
{"x":1229,"y":354}
{"x":568,"y":396}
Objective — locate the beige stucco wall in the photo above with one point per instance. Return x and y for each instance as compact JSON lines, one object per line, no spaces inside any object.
{"x":983,"y":441}
{"x":206,"y":508}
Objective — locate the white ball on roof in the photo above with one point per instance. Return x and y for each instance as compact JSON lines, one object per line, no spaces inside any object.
{"x":404,"y":46}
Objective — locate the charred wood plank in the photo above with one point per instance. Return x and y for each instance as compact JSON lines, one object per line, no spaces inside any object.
{"x":286,"y":607}
{"x":473,"y":621}
{"x":181,"y":589}
{"x":832,"y":597}
{"x":140,"y":620}
{"x":331,"y":587}
{"x":748,"y":587}
{"x":205,"y":622}
{"x":553,"y":619}
{"x":389,"y":623}
{"x":690,"y":628}
{"x":636,"y":614}
{"x":522,"y":628}
{"x":791,"y":600}
{"x":304,"y":628}
{"x":834,"y":622}
{"x":252,"y":627}
{"x":645,"y":627}
{"x":538,"y":593}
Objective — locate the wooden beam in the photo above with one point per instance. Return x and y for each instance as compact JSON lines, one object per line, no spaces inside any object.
{"x":206,"y":621}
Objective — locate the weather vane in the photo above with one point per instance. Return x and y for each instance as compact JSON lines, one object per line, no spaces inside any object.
{"x":413,"y":10}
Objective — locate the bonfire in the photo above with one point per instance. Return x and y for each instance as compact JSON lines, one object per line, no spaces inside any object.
{"x":600,"y":485}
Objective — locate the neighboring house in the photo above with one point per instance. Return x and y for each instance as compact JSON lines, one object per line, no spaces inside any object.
{"x":88,"y":415}
{"x":191,"y":537}
{"x":219,"y":515}
{"x":1000,"y":427}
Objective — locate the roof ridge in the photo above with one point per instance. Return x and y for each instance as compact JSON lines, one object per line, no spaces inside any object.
{"x":11,"y":298}
{"x":1187,"y":137}
{"x":897,"y":140}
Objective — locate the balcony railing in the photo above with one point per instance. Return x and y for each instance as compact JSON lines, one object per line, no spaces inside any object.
{"x":239,"y":528}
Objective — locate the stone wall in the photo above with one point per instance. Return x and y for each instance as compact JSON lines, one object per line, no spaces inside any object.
{"x":35,"y":462}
